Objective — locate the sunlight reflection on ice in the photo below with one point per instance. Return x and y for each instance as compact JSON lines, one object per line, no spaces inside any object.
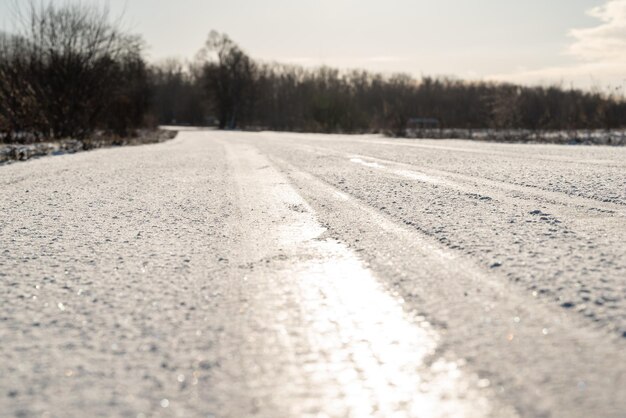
{"x":378,"y":353}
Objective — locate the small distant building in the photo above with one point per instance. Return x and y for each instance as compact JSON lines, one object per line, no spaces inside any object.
{"x":423,"y":123}
{"x":211,"y":121}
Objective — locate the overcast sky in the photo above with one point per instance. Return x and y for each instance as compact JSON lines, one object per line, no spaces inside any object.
{"x":530,"y":41}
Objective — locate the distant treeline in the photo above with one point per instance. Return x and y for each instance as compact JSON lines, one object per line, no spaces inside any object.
{"x":69,"y":71}
{"x":241,"y":92}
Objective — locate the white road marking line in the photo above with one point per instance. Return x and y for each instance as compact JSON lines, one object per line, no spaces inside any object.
{"x":410,"y":174}
{"x":365,"y":163}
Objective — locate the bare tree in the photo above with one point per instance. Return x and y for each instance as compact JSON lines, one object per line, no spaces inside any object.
{"x":63,"y":69}
{"x":19,"y":108}
{"x":229,"y":79}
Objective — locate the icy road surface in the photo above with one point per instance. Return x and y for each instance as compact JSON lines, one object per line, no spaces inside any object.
{"x":288,"y":275}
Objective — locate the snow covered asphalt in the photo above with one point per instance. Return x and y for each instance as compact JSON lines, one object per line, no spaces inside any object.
{"x":230,"y":274}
